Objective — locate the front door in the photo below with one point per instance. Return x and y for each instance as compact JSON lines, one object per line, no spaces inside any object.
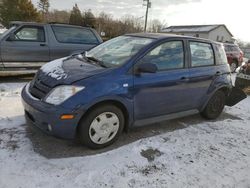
{"x":28,"y":44}
{"x":163,"y":92}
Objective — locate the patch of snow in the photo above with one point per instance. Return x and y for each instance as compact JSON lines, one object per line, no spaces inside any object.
{"x":54,"y":69}
{"x":206,"y":154}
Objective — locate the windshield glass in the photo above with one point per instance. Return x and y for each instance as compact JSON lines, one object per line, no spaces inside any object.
{"x":7,"y":31}
{"x":117,"y":51}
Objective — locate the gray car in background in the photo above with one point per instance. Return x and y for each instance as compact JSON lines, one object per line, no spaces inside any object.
{"x":27,"y":46}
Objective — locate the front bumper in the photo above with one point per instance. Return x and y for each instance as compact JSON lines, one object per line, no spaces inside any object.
{"x":47,"y":117}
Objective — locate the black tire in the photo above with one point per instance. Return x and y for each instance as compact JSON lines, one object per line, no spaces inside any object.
{"x":85,"y":125}
{"x":214,"y":106}
{"x":234,"y":66}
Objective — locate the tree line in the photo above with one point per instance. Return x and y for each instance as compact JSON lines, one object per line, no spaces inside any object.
{"x":25,"y":10}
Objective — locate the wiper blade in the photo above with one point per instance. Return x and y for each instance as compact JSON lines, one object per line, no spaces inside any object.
{"x":78,"y":56}
{"x":97,"y":61}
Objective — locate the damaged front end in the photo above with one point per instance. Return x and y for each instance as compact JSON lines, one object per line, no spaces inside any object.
{"x":243,"y":76}
{"x":235,"y":96}
{"x":242,"y":81}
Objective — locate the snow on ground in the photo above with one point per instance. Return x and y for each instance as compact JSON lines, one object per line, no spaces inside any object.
{"x":206,"y":154}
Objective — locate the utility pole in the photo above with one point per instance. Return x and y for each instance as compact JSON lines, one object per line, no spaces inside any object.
{"x":148,"y":5}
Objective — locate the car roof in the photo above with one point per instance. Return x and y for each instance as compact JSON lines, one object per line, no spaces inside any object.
{"x":159,"y":36}
{"x":43,"y":24}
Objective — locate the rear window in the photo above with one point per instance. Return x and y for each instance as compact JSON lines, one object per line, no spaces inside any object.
{"x":74,"y":35}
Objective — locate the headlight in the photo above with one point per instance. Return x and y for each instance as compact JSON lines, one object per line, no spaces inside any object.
{"x":62,"y":93}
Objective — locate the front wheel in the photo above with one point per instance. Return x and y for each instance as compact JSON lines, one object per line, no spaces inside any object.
{"x":214,"y":106}
{"x":101,"y":127}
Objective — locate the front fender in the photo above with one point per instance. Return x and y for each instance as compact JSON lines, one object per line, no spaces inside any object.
{"x":125,"y":102}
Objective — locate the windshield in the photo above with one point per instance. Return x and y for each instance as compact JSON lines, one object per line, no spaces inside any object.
{"x":7,"y":31}
{"x":117,"y":51}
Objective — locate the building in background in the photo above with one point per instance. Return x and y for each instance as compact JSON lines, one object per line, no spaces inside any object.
{"x":218,"y":33}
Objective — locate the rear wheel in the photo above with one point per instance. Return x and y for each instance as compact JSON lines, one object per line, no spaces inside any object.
{"x":214,"y":106}
{"x":101,"y":127}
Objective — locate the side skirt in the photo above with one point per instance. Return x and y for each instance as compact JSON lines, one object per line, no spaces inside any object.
{"x":148,"y":121}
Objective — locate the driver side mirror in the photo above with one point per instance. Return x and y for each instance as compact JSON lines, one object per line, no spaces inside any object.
{"x":147,"y":68}
{"x":12,"y":37}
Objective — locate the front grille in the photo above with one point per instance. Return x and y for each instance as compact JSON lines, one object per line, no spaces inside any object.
{"x":39,"y":89}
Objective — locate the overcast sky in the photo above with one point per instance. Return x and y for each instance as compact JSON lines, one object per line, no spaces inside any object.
{"x":234,"y":14}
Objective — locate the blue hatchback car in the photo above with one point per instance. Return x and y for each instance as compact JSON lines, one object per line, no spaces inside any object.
{"x":126,"y":82}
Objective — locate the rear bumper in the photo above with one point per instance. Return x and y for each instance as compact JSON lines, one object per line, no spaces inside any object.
{"x":47,"y":117}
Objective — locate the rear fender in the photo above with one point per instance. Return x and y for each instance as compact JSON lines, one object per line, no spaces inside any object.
{"x":224,"y":88}
{"x":221,"y":82}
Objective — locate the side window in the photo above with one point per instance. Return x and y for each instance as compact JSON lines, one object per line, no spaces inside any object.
{"x":221,"y":57}
{"x":75,"y":35}
{"x":30,"y":33}
{"x":166,"y":56}
{"x":201,"y":54}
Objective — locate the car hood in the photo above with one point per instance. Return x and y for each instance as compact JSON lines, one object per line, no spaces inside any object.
{"x":66,"y":71}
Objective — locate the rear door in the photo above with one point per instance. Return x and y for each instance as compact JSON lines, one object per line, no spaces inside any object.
{"x":203,"y":71}
{"x":70,"y":40}
{"x":163,"y":92}
{"x":28,"y":44}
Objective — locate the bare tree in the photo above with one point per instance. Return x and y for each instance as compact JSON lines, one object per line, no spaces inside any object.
{"x":59,"y":16}
{"x":155,"y":26}
{"x":89,"y":18}
{"x":76,"y":16}
{"x":43,"y":7}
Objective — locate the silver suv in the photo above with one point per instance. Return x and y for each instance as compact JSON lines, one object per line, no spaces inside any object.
{"x":26,"y":46}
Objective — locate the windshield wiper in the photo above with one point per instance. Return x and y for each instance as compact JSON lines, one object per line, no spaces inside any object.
{"x":97,"y":61}
{"x":78,"y":56}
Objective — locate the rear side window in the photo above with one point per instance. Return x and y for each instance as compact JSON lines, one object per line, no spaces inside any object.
{"x":221,"y":57}
{"x":74,"y":35}
{"x":201,"y":54}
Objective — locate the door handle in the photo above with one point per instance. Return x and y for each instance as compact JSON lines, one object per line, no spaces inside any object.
{"x":43,"y":45}
{"x":184,"y":79}
{"x":217,"y":73}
